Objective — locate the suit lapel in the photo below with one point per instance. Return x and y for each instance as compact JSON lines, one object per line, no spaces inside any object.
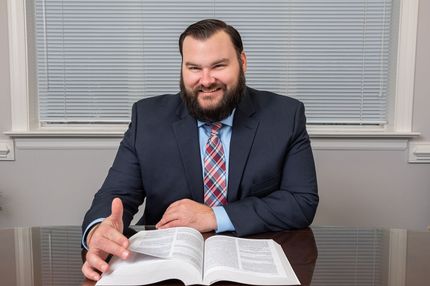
{"x":187,"y":137}
{"x":243,"y":133}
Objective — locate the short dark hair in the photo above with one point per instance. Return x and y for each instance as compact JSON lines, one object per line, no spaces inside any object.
{"x":204,"y":29}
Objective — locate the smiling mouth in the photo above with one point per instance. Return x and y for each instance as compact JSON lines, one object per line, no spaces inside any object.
{"x":210,"y":91}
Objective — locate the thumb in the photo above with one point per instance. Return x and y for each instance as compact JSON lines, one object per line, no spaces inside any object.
{"x":117,"y":210}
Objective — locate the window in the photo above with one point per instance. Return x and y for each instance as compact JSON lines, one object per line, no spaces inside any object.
{"x":95,"y":58}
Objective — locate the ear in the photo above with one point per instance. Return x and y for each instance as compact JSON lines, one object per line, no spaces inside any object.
{"x":244,"y":62}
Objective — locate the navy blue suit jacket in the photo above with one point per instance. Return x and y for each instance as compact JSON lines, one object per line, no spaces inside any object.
{"x":272,"y":182}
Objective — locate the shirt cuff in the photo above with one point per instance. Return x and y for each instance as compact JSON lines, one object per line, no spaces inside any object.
{"x":87,"y":230}
{"x":222,"y":220}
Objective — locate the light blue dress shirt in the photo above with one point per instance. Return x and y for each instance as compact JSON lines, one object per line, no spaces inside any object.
{"x":223,"y":221}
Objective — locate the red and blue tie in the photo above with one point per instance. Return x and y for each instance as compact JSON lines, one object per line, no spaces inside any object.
{"x":215,"y":186}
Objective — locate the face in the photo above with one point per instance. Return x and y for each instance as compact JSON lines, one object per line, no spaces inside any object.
{"x":212,"y":76}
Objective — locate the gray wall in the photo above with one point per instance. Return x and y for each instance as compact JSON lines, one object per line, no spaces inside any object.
{"x":357,"y":188}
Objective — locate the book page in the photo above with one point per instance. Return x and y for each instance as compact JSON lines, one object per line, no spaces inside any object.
{"x":253,"y":255}
{"x":250,"y":261}
{"x":158,"y":243}
{"x":221,"y":251}
{"x":256,"y":256}
{"x":181,"y":243}
{"x":188,"y":247}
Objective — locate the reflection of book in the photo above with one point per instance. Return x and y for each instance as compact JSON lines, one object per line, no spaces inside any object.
{"x":182,"y":253}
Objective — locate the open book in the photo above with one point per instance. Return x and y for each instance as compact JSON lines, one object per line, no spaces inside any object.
{"x":182,"y":253}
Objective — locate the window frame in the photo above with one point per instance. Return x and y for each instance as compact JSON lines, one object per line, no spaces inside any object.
{"x":24,"y":124}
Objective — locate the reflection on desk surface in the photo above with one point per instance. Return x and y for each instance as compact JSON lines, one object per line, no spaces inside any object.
{"x":319,"y":256}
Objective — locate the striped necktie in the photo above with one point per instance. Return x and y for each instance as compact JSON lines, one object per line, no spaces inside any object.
{"x":215,"y":186}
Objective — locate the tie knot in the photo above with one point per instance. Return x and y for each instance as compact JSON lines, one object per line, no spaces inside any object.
{"x":215,"y":127}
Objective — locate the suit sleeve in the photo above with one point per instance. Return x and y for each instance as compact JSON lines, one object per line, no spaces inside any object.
{"x":294,"y":204}
{"x":123,"y":181}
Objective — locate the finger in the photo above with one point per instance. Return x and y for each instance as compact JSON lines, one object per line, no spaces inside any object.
{"x":107,"y":231}
{"x":111,"y":247}
{"x":95,"y":262}
{"x":88,"y":272}
{"x":167,"y":217}
{"x":173,"y":223}
{"x":172,"y":220}
{"x":117,"y":210}
{"x":161,"y":223}
{"x":116,"y":236}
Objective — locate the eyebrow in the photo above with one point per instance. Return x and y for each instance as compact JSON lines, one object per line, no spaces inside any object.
{"x":221,"y":61}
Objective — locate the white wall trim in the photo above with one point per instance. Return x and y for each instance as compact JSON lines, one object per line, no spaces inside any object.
{"x":360,"y":144}
{"x":23,"y":256}
{"x":67,"y":143}
{"x":66,"y":134}
{"x":397,"y":257}
{"x":419,"y":152}
{"x":118,"y":132}
{"x":18,"y":58}
{"x":379,"y":144}
{"x":405,"y":71}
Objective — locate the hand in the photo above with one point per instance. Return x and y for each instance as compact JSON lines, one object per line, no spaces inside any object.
{"x":105,"y":238}
{"x":188,"y":213}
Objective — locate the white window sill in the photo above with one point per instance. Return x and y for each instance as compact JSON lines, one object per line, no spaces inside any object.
{"x":71,"y":132}
{"x":109,"y":138}
{"x":117,"y":131}
{"x":359,"y":139}
{"x":362,"y":134}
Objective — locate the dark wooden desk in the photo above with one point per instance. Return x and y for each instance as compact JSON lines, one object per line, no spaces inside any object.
{"x":319,"y":256}
{"x":298,"y":245}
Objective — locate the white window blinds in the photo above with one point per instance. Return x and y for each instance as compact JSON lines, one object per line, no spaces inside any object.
{"x":96,"y":57}
{"x":350,"y":256}
{"x":59,"y":261}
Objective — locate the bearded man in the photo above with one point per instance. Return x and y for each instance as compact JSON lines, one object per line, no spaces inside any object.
{"x":218,"y":156}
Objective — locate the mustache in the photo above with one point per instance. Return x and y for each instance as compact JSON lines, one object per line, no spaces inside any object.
{"x":212,"y":87}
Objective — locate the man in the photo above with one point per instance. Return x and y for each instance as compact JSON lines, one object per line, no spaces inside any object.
{"x":218,"y":156}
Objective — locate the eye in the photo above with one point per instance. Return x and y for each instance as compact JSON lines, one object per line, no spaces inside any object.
{"x":193,"y":68}
{"x":218,"y":66}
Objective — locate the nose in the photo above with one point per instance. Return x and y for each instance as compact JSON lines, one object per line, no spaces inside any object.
{"x":207,"y":78}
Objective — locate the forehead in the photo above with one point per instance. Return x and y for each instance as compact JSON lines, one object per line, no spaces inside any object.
{"x":216,"y":47}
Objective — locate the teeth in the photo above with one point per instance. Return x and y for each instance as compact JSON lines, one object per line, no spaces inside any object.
{"x":210,"y":90}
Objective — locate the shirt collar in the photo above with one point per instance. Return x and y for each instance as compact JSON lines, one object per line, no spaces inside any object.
{"x":226,"y":121}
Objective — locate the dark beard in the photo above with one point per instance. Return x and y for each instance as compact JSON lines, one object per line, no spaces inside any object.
{"x":229,"y":101}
